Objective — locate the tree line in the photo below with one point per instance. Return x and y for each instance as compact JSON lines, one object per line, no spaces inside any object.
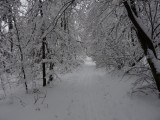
{"x":37,"y":41}
{"x":124,"y":35}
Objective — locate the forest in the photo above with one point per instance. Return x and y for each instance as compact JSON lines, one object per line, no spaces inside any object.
{"x":78,"y":50}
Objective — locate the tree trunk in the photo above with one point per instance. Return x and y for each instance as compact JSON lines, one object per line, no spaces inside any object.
{"x":51,"y":76}
{"x":43,"y":64}
{"x":10,"y":24}
{"x":43,"y":48}
{"x":21,"y":54}
{"x":146,"y":44}
{"x":133,"y":7}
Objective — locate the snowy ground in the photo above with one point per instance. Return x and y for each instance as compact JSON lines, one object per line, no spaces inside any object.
{"x":86,"y":94}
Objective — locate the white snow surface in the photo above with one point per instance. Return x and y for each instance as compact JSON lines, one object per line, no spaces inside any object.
{"x":86,"y":94}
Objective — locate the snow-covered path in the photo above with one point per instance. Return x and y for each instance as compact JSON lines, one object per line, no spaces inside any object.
{"x":87,"y":94}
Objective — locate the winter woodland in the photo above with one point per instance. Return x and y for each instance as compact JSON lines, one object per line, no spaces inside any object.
{"x":85,"y":51}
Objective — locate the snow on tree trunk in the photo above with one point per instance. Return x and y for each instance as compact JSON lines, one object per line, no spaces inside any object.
{"x":146,"y":45}
{"x":43,"y":48}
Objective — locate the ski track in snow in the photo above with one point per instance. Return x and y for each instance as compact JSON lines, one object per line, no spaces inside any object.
{"x":87,"y":94}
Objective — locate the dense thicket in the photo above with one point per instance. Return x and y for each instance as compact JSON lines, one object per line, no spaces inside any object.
{"x":39,"y":38}
{"x":37,"y":41}
{"x":124,"y":35}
